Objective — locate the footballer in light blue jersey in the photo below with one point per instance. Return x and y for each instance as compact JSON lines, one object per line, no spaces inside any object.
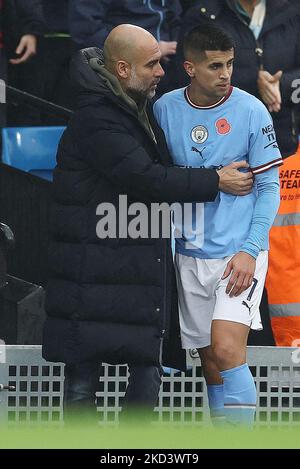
{"x":221,"y":258}
{"x":237,"y":127}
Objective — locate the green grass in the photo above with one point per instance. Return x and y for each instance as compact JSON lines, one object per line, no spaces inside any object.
{"x":83,"y":435}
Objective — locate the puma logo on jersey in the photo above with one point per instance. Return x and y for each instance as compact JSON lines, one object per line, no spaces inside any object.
{"x":247,"y":306}
{"x":199,"y":151}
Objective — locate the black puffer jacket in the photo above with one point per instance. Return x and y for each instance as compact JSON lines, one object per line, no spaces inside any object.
{"x":111,"y":299}
{"x":279,"y":42}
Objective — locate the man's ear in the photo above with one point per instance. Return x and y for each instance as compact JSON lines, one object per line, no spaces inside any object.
{"x":123,"y":69}
{"x":189,"y":68}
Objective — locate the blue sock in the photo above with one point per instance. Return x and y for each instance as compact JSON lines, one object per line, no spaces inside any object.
{"x":215,"y":394}
{"x":239,"y":395}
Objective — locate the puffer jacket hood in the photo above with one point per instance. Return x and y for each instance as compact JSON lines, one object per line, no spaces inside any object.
{"x":90,"y":78}
{"x":86,"y":80}
{"x":89,"y":75}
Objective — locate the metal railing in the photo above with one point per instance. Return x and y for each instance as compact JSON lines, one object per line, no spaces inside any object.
{"x":36,"y":388}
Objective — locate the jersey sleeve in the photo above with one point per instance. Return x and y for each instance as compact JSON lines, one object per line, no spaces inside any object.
{"x":266,"y":207}
{"x":263,"y":147}
{"x":158,"y":112}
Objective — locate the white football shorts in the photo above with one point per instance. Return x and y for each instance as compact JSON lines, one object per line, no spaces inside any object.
{"x":202,"y":297}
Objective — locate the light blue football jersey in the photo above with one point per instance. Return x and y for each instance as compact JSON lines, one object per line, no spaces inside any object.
{"x":238,"y":127}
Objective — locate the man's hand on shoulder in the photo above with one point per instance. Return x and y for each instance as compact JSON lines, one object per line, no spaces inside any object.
{"x":234,"y":181}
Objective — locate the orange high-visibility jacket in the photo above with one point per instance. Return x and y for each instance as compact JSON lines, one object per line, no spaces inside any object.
{"x":283,"y":279}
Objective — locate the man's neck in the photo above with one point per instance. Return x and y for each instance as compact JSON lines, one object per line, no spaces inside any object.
{"x":201,"y":100}
{"x":249,"y":5}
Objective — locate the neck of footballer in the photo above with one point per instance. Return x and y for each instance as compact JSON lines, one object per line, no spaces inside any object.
{"x":199,"y":99}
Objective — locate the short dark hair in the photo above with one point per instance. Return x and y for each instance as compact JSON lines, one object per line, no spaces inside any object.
{"x":206,"y":37}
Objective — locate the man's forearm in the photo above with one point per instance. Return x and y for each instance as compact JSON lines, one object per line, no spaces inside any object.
{"x":264,"y":213}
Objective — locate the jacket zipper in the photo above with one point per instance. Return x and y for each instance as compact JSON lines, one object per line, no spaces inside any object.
{"x":294,"y":133}
{"x":161,"y":345}
{"x":258,"y":49}
{"x":260,"y":54}
{"x":163,"y":327}
{"x":164,"y":312}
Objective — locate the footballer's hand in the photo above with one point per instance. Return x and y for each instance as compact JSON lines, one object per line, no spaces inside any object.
{"x":241,"y":268}
{"x":234,"y":181}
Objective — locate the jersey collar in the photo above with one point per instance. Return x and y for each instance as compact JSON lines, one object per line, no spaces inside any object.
{"x":218,"y":103}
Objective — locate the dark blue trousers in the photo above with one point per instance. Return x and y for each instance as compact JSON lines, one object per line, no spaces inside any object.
{"x":82,"y":382}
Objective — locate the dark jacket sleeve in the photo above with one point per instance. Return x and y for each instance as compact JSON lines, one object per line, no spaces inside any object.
{"x":87,"y":22}
{"x":21,"y":17}
{"x":173,"y":19}
{"x":30,"y":17}
{"x":123,"y":161}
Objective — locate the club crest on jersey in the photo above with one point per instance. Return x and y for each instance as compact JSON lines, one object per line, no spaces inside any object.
{"x":199,"y":134}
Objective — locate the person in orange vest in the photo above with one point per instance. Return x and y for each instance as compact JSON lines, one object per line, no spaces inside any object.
{"x":283,"y":279}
